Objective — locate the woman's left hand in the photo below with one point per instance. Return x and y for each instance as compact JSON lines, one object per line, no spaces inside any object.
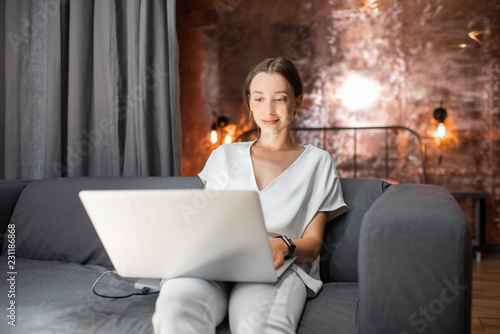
{"x":279,"y":250}
{"x":307,"y":247}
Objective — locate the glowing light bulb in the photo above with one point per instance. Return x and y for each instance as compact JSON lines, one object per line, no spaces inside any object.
{"x":440,"y":133}
{"x":228,"y":139}
{"x":213,"y":136}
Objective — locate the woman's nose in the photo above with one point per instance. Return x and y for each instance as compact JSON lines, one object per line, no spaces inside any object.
{"x":270,"y":108}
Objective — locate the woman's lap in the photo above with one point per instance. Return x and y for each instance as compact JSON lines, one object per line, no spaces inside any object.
{"x":194,"y":305}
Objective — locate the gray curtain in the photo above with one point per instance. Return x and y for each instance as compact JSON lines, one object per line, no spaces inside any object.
{"x":91,"y":89}
{"x":2,"y":88}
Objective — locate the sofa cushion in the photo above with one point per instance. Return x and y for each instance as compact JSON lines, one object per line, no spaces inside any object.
{"x":339,"y":254}
{"x":51,"y":223}
{"x":57,"y":297}
{"x":333,"y":311}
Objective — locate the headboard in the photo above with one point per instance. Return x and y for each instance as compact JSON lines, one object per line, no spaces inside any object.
{"x":394,"y":153}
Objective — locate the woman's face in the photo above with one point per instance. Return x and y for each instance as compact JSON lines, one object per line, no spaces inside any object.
{"x":272,"y":102}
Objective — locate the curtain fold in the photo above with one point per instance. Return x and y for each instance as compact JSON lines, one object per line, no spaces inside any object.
{"x":25,"y":72}
{"x":135,"y":142}
{"x":106,"y":84}
{"x":91,"y":89}
{"x":80,"y":88}
{"x":53,"y":89}
{"x":149,"y":71}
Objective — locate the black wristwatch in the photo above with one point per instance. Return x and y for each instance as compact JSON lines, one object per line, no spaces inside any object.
{"x":289,"y":243}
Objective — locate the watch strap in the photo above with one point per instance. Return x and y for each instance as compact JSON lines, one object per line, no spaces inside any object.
{"x":289,"y":243}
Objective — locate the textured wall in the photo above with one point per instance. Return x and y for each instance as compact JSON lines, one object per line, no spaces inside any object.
{"x":364,"y":63}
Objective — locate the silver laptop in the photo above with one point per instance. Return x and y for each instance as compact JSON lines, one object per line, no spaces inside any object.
{"x":156,"y":234}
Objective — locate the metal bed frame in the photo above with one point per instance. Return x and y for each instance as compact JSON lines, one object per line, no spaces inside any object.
{"x":356,"y":129}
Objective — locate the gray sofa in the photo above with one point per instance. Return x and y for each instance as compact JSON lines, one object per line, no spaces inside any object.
{"x":398,"y":262}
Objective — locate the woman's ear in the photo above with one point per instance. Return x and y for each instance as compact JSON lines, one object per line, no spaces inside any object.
{"x":298,"y":102}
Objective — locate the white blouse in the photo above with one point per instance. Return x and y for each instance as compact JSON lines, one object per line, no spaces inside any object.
{"x":289,"y":203}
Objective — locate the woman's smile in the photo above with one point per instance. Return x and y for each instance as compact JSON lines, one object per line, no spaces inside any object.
{"x":270,"y":121}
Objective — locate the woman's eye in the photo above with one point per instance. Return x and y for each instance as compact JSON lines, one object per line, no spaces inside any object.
{"x":281,"y":99}
{"x":258,"y":99}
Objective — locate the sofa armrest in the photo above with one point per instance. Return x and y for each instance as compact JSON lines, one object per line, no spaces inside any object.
{"x":414,"y":263}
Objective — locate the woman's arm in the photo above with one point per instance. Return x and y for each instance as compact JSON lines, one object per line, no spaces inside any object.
{"x":308,"y":246}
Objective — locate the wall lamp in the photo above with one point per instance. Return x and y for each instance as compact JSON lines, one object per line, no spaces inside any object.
{"x":440,"y":115}
{"x":219,"y":122}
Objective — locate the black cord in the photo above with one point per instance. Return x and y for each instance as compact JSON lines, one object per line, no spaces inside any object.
{"x":145,"y":290}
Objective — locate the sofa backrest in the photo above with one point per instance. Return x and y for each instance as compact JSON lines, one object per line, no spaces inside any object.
{"x":339,"y":254}
{"x":51,"y":223}
{"x":9,"y":194}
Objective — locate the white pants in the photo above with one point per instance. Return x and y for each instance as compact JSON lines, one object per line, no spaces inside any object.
{"x":189,"y":305}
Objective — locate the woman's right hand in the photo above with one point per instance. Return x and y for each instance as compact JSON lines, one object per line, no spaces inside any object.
{"x":279,"y":250}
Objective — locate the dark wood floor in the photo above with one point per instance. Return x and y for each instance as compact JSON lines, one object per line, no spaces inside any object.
{"x":486,"y":295}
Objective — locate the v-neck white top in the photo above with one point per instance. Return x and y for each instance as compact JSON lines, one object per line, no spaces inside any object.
{"x":309,"y":185}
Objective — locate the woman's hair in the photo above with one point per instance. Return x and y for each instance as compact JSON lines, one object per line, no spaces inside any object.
{"x":279,"y":65}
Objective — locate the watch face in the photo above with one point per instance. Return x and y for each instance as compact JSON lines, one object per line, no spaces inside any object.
{"x":291,"y":246}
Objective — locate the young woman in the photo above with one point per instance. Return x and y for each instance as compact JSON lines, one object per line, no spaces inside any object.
{"x":299,"y":191}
